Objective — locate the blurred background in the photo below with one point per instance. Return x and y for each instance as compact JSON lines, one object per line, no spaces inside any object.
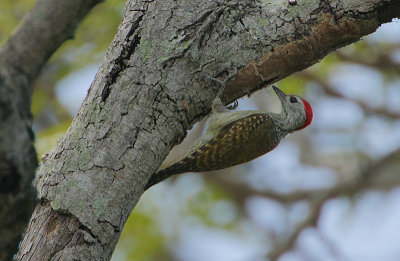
{"x":328,"y":192}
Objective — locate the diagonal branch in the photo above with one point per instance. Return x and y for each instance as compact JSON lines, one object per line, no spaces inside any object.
{"x":48,"y":25}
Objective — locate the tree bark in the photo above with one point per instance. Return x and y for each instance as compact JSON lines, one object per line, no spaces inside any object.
{"x":48,"y":25}
{"x":150,"y":89}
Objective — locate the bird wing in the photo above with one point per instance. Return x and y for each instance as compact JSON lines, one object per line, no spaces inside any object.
{"x":238,"y":142}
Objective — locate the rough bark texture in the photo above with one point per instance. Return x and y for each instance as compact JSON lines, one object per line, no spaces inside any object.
{"x":22,"y":57}
{"x":150,"y":90}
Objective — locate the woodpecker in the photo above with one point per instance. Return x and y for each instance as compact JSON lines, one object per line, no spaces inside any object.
{"x":236,"y":137}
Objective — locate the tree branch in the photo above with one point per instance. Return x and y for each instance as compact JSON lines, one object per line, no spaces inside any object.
{"x":149,"y":91}
{"x":48,"y":25}
{"x":381,"y":60}
{"x":310,"y":35}
{"x":311,"y":220}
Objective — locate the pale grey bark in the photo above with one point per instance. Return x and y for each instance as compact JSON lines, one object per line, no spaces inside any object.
{"x":150,"y":90}
{"x":48,"y":25}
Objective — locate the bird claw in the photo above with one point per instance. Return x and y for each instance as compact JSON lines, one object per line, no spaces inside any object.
{"x":218,"y":107}
{"x":233,"y":106}
{"x":222,"y":84}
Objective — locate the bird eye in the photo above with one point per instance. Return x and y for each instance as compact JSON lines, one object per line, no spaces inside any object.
{"x":293,"y":99}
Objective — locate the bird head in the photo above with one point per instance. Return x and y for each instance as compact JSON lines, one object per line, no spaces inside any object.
{"x":296,"y":112}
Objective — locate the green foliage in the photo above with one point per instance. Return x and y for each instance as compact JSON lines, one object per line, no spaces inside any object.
{"x":11,"y":13}
{"x":323,"y":68}
{"x":293,"y":85}
{"x":140,"y":239}
{"x":200,"y":206}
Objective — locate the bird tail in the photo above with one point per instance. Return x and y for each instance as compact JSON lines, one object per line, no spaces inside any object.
{"x":161,"y":175}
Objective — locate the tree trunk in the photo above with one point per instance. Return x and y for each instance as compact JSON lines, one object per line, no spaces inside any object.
{"x":22,"y":57}
{"x":150,"y":89}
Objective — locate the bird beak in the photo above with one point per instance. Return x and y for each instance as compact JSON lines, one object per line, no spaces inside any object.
{"x":282,"y":97}
{"x":280,"y":94}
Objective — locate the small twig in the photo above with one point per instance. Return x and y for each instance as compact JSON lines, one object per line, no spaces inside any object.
{"x":241,"y":192}
{"x":336,"y":253}
{"x":222,"y":84}
{"x":382,"y":60}
{"x":311,"y":220}
{"x":331,"y":91}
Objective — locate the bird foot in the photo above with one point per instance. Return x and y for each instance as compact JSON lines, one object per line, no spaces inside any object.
{"x":222,"y":85}
{"x":233,"y":106}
